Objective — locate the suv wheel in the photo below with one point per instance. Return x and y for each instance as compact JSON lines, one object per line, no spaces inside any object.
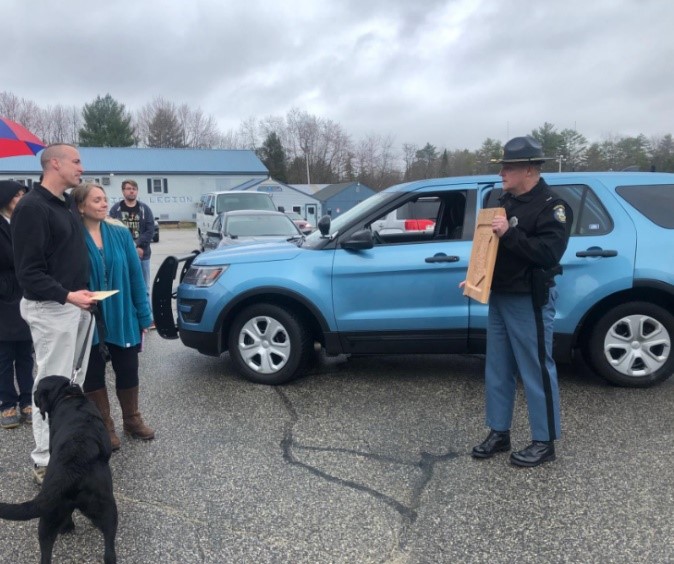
{"x":269,"y":344}
{"x":631,"y":345}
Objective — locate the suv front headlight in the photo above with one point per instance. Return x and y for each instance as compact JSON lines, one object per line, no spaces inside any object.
{"x":204,"y":276}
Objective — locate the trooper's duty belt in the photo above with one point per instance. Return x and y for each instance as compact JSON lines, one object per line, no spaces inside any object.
{"x":542,"y":280}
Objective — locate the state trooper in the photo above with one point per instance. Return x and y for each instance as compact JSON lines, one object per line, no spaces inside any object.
{"x":532,"y":239}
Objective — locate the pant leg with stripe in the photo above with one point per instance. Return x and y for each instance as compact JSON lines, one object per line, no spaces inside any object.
{"x":518,"y":331}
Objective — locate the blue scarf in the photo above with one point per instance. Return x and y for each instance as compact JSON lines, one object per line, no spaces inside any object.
{"x":117,"y":267}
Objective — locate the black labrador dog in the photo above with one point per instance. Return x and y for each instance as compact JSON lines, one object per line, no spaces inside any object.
{"x":78,"y":475}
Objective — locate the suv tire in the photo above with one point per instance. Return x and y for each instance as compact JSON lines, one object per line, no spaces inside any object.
{"x":631,"y":345}
{"x":269,"y":344}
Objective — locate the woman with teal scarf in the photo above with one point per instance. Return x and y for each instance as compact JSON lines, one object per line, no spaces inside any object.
{"x":115,"y":266}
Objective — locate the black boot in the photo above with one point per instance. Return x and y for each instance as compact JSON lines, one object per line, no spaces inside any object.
{"x":496,"y":441}
{"x":536,"y":453}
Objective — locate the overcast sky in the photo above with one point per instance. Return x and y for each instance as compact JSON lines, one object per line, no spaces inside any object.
{"x":449,"y":72}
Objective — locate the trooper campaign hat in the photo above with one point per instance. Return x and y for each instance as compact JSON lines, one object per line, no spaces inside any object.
{"x":522,"y":150}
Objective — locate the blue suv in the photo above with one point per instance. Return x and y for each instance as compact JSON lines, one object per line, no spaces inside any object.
{"x":383,"y":277}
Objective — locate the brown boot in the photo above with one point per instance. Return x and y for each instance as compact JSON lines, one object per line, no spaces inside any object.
{"x":133,"y":422}
{"x":100,"y":399}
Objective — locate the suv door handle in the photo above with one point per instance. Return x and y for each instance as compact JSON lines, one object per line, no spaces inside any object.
{"x":442,"y":257}
{"x":596,"y":252}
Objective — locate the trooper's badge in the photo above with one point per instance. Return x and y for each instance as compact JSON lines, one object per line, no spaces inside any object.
{"x":560,"y":213}
{"x":513,"y":221}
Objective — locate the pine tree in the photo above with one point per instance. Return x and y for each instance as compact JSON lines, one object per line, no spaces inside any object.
{"x":273,"y":156}
{"x":106,"y":124}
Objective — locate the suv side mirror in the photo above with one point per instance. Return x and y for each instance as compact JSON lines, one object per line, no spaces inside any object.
{"x":359,"y":241}
{"x":324,"y":225}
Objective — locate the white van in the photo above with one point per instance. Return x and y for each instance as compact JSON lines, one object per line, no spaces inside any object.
{"x":214,"y":203}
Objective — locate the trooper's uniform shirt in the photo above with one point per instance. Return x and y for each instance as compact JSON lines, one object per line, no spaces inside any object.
{"x":539,"y":223}
{"x":519,"y":335}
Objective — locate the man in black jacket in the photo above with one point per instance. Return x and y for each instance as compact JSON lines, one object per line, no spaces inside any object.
{"x":532,"y":239}
{"x":52,"y":267}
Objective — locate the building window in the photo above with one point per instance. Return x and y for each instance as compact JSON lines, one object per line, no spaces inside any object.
{"x":157,"y":185}
{"x":24,"y":181}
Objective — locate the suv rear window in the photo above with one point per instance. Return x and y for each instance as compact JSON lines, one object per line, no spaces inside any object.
{"x":589,"y":215}
{"x":654,"y":201}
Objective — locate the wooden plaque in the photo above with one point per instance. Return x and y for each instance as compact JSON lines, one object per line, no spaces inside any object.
{"x":482,"y":256}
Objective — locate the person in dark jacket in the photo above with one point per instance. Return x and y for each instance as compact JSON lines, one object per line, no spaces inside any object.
{"x":16,"y":346}
{"x":52,"y":267}
{"x":532,"y":239}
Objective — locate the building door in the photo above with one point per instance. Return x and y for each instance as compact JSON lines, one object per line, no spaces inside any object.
{"x":311,"y":213}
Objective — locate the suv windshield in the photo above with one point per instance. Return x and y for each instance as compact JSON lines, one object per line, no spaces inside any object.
{"x":373,"y":202}
{"x":230,"y":202}
{"x":255,"y":225}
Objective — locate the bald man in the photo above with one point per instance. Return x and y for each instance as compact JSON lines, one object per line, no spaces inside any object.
{"x":53,"y":269}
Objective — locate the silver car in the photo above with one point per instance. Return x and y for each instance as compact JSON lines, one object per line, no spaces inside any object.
{"x":250,"y":226}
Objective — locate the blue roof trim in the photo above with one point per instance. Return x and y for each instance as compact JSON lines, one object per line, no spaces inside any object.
{"x":249,"y":183}
{"x":104,"y":160}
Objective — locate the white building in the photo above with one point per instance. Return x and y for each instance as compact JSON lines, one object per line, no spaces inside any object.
{"x":170,"y":181}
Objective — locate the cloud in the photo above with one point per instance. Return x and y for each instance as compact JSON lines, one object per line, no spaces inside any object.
{"x":447,"y":72}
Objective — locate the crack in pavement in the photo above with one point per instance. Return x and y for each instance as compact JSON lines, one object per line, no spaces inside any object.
{"x":425,"y":465}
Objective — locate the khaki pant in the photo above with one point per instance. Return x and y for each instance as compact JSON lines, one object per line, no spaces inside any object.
{"x":58,"y":333}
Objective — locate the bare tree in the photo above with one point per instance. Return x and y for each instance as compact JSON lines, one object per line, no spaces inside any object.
{"x":367,"y":155}
{"x":22,"y":111}
{"x":275,"y":124}
{"x":323,"y":146}
{"x":10,"y":106}
{"x":165,"y":130}
{"x":248,"y":133}
{"x":37,"y":121}
{"x":228,"y":140}
{"x":59,"y":121}
{"x":75,"y":123}
{"x":333,"y":149}
{"x":389,"y":171}
{"x":199,"y":130}
{"x":147,"y":114}
{"x":409,"y":153}
{"x":304,"y":130}
{"x":61,"y":124}
{"x":375,"y":161}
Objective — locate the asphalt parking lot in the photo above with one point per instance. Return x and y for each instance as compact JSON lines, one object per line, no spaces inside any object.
{"x":366,"y":460}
